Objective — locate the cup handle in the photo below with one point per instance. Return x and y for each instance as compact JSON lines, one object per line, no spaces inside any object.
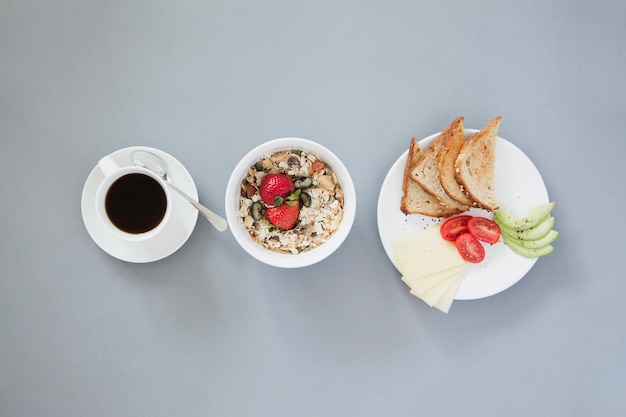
{"x":107,"y":165}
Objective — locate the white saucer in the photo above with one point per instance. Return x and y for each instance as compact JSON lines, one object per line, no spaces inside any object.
{"x":182,"y":221}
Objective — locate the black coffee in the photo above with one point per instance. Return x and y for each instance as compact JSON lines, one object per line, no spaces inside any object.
{"x":135,"y":203}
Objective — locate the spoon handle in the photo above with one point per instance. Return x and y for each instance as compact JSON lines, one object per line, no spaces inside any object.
{"x":219,"y":223}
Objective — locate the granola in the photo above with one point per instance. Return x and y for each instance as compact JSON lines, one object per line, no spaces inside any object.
{"x":319,"y":218}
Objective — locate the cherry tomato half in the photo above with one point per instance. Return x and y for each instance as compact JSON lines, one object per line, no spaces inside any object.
{"x":484,"y":229}
{"x":470,"y":248}
{"x":453,"y":227}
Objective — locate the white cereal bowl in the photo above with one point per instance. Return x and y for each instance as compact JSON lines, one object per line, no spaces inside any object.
{"x":285,"y":260}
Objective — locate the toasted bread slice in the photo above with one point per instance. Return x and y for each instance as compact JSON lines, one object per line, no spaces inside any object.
{"x":448,"y":153}
{"x":475,"y":166}
{"x":416,"y":200}
{"x":426,"y":173}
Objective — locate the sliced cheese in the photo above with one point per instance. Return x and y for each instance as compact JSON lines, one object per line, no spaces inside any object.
{"x":424,"y":253}
{"x":445,"y":302}
{"x":431,"y":266}
{"x":432,"y":295}
{"x":424,"y":282}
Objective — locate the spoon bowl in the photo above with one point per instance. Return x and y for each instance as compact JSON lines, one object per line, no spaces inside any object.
{"x":158,"y":166}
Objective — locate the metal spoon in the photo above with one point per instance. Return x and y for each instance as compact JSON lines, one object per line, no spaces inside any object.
{"x":158,"y":166}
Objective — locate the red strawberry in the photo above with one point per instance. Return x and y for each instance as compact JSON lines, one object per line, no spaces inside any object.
{"x":284,"y":216}
{"x":273,"y":186}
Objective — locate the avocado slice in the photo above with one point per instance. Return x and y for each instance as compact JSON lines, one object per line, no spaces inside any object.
{"x":538,"y":232}
{"x":550,"y":237}
{"x":526,"y":252}
{"x":537,"y":214}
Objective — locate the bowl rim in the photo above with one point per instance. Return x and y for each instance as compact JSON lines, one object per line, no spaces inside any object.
{"x":285,"y":260}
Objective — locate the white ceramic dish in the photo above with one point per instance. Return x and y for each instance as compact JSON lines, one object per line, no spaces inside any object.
{"x":519,"y":186}
{"x":180,"y":226}
{"x":267,"y":256}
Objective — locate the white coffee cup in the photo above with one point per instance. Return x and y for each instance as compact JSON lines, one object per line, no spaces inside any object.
{"x":132,"y":202}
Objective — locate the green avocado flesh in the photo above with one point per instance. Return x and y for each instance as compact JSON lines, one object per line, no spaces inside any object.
{"x":526,"y":252}
{"x":529,"y":236}
{"x":550,"y":237}
{"x":536,"y":233}
{"x":538,"y":213}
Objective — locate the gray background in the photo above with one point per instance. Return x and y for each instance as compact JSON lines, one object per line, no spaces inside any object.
{"x":209,"y":331}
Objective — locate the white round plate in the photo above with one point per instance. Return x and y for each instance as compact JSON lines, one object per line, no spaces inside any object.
{"x":519,"y":187}
{"x":182,"y":221}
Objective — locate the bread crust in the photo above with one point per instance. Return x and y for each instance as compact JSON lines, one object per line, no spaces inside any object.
{"x":474,"y":167}
{"x":426,"y":172}
{"x":448,"y":153}
{"x":416,"y":200}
